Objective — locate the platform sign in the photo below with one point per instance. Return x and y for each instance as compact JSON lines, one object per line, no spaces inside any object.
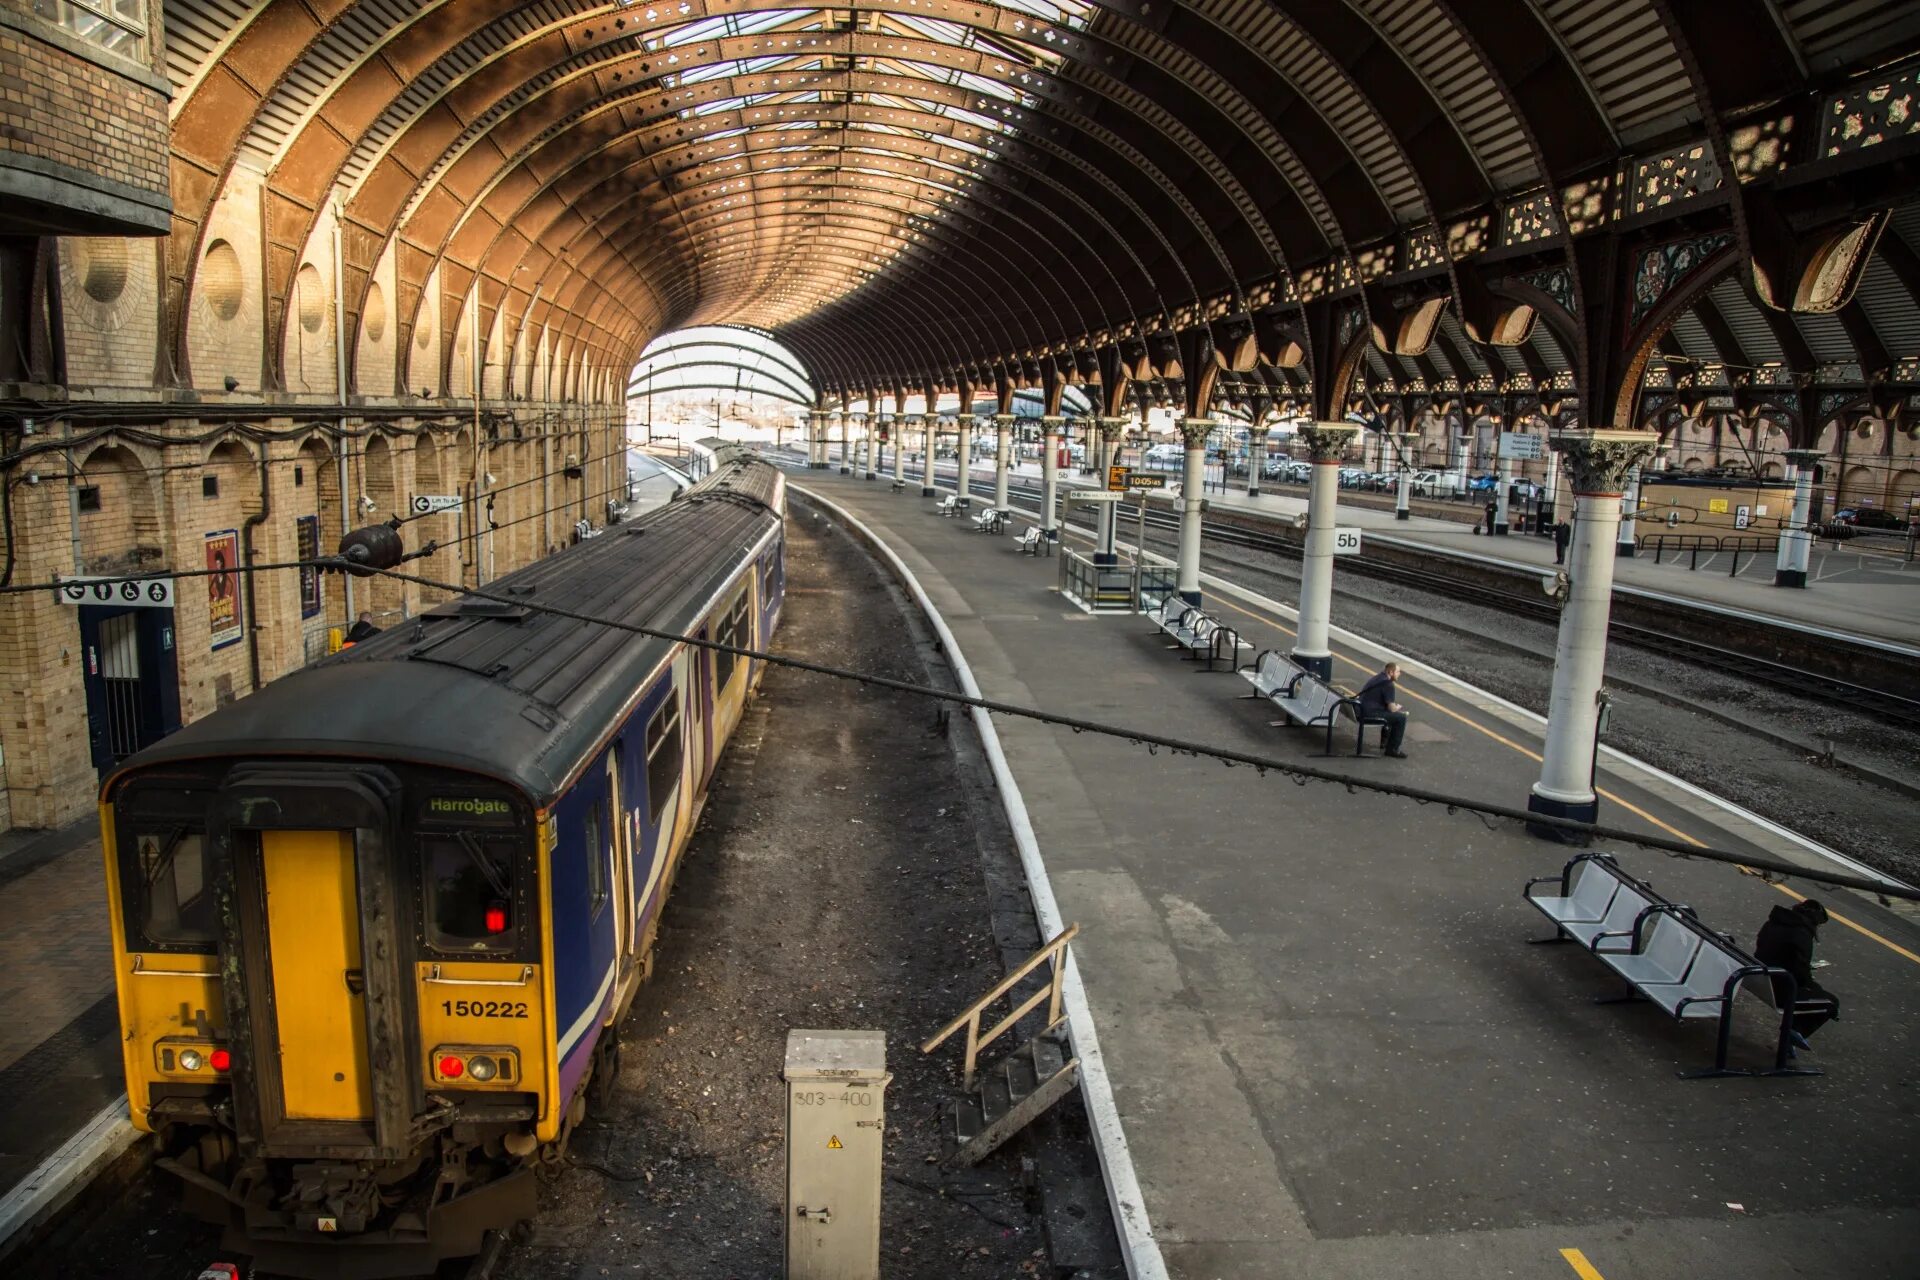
{"x":1519,"y":446}
{"x":425,"y":504}
{"x":136,"y":593}
{"x":1118,"y":477}
{"x":1147,"y":480}
{"x":1093,"y":495}
{"x":1346,"y":542}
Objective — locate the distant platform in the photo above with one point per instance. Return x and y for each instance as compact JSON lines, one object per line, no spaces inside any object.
{"x":1334,"y":1053}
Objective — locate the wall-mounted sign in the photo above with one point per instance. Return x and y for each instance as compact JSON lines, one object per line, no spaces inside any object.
{"x":1346,"y":542}
{"x":1520,"y":446}
{"x":137,"y":593}
{"x":425,"y":504}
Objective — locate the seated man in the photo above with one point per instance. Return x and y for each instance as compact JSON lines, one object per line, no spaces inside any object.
{"x":1376,"y":700}
{"x":1786,"y":942}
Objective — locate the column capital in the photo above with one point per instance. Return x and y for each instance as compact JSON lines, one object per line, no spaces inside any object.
{"x":1599,"y":462}
{"x":1806,"y":457}
{"x":1257,"y":429}
{"x":1053,"y":421}
{"x":1004,"y":421}
{"x":1326,"y":441}
{"x":1111,"y":428}
{"x":1196,"y":430}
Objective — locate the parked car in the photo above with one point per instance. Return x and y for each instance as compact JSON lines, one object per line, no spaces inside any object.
{"x":1163,"y":457}
{"x":1482,"y":483}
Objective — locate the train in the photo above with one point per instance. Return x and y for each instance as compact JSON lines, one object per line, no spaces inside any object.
{"x":376,"y":925}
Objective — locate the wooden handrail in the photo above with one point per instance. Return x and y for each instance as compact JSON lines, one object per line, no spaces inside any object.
{"x":1054,"y":950}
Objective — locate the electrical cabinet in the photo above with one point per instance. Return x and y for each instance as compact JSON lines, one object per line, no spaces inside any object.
{"x":836,"y":1119}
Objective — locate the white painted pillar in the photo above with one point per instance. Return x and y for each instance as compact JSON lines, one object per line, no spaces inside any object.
{"x":1503,"y":498}
{"x":1598,"y":463}
{"x":1050,"y":438}
{"x":962,"y":490}
{"x":1002,"y":447}
{"x":1106,"y":516}
{"x":1193,"y":434}
{"x":1325,"y":442}
{"x":1403,"y":456}
{"x":1461,"y":468}
{"x":816,"y":432}
{"x":1256,"y":458}
{"x":846,"y":454}
{"x":1796,"y":540}
{"x":1626,"y":538}
{"x":930,"y":436}
{"x":899,"y":434}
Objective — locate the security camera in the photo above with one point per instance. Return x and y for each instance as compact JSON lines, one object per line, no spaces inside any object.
{"x":487,"y":480}
{"x":367,"y":505}
{"x":231,"y":383}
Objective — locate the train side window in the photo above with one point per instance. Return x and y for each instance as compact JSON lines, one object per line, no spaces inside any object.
{"x":663,"y":757}
{"x":469,"y":893}
{"x":176,"y":901}
{"x":733,"y":630}
{"x":597,"y":832}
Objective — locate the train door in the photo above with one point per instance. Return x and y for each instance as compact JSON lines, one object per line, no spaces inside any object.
{"x":313,"y":944}
{"x":132,"y":685}
{"x":663,"y":772}
{"x":620,"y":838}
{"x":319,"y":1017}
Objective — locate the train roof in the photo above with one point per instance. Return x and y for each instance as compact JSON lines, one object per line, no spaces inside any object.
{"x":502,"y":689}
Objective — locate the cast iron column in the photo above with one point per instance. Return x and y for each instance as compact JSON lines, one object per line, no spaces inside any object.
{"x":1050,"y":476}
{"x":1002,"y":444}
{"x":1256,"y":457}
{"x":963,"y":491}
{"x":930,"y":435}
{"x":1105,"y":515}
{"x":1193,"y":433}
{"x":1598,"y":464}
{"x":1796,"y":540}
{"x":1325,"y":442}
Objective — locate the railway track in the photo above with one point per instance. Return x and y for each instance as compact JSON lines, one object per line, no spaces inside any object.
{"x":1887,"y":707}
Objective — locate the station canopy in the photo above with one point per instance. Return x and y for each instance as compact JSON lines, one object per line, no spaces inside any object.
{"x":1695,"y":198}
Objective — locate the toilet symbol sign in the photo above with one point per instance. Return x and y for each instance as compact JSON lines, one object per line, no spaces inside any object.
{"x":135,"y":593}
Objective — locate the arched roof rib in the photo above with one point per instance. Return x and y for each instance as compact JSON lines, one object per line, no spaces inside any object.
{"x":929,"y":190}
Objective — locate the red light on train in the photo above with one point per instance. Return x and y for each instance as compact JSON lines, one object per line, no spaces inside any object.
{"x":495,"y":918}
{"x":451,"y":1067}
{"x":220,"y":1059}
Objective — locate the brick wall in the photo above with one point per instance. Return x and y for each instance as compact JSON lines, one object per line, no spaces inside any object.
{"x":109,"y":294}
{"x":65,"y":110}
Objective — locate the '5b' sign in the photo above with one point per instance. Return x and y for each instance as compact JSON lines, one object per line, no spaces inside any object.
{"x":1346,"y":542}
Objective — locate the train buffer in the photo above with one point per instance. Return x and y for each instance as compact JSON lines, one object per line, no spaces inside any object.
{"x":1019,"y":1087}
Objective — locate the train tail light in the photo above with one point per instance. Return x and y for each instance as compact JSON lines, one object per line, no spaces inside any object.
{"x":475,"y":1065}
{"x":495,"y":917}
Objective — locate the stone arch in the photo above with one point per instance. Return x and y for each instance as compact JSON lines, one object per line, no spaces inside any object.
{"x":1903,"y":494}
{"x":120,"y":519}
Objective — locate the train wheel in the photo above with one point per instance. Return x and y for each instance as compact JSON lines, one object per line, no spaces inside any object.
{"x":606,"y":1071}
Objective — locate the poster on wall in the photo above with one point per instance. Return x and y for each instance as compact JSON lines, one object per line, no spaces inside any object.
{"x":223,"y":588}
{"x":306,"y":539}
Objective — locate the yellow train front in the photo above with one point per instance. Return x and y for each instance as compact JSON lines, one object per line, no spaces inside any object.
{"x":375,"y":926}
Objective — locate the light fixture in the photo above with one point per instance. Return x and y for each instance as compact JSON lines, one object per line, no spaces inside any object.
{"x":487,"y":480}
{"x":367,"y":505}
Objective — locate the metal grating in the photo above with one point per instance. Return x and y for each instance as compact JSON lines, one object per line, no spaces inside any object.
{"x":1895,"y":318}
{"x":1625,"y":54}
{"x":1742,"y":315}
{"x":1832,"y":33}
{"x":1442,"y":58}
{"x":1325,"y":88}
{"x":198,"y":32}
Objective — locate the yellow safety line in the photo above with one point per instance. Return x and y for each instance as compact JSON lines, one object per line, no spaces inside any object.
{"x":1628,"y":805}
{"x":1581,"y":1267}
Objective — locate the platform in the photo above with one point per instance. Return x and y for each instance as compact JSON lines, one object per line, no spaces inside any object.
{"x":1334,"y":1053}
{"x":60,"y":1047}
{"x":1873,"y":596}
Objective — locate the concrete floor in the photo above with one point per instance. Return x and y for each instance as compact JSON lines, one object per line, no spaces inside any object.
{"x":1334,"y":1053}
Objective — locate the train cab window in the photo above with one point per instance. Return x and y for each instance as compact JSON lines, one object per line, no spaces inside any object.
{"x":469,"y":882}
{"x":663,"y":757}
{"x":176,"y":900}
{"x":733,"y":629}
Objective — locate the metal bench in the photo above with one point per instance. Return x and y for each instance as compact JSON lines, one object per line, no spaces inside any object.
{"x":1308,"y":702}
{"x":1033,"y":541}
{"x":988,"y":520}
{"x":1214,"y":642}
{"x":947,"y":505}
{"x":897,"y":485}
{"x":1271,"y":675}
{"x":1665,"y":955}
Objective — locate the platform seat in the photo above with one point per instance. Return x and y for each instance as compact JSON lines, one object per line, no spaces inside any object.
{"x":1271,"y":675}
{"x":988,"y":520}
{"x":1032,"y":541}
{"x":1665,"y":955}
{"x":897,"y":485}
{"x":947,"y":505}
{"x":1310,"y":701}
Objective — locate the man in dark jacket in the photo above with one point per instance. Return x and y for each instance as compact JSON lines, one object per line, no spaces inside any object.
{"x":1562,"y":535}
{"x":1786,"y":942}
{"x":363,"y":629}
{"x":1377,"y":703}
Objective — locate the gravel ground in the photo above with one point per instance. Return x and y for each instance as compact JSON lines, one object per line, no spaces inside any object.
{"x":1656,"y":715}
{"x":835,"y":882}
